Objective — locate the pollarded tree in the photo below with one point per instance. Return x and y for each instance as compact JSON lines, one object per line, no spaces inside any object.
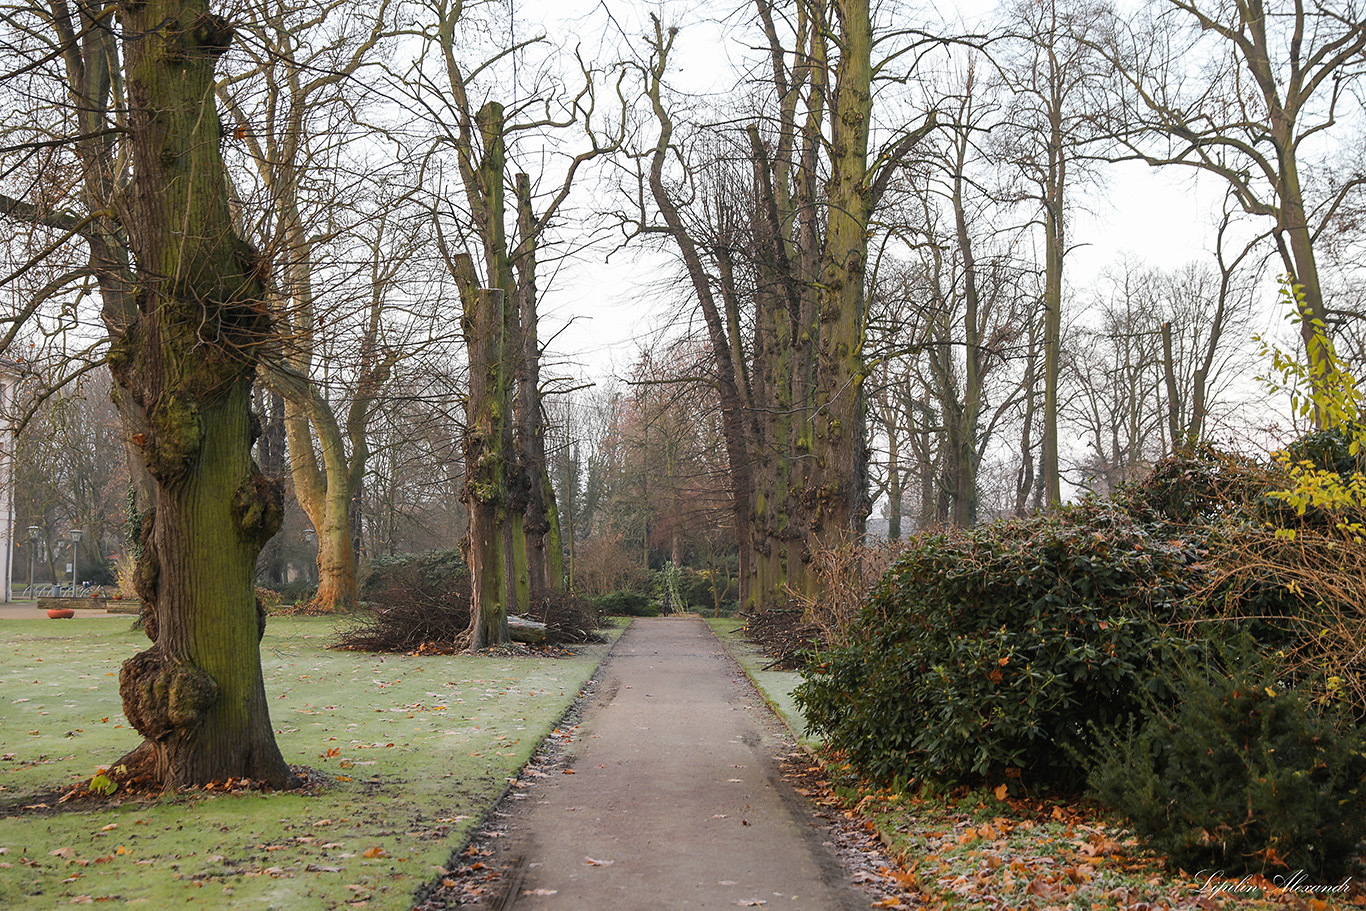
{"x":183,"y":304}
{"x":186,"y":354}
{"x":495,"y":269}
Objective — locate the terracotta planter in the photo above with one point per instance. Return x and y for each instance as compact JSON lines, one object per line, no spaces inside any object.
{"x":60,"y":613}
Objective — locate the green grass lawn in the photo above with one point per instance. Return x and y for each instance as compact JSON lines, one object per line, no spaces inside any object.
{"x":775,"y":686}
{"x":416,"y":749}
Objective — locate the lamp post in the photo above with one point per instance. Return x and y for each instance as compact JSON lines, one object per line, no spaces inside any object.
{"x":75,"y":557}
{"x":33,"y":532}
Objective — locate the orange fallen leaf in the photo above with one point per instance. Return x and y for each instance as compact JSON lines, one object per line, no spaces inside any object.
{"x":374,"y":852}
{"x":1002,"y":791}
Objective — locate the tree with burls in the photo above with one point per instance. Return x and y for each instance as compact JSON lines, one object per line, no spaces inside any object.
{"x":185,"y":352}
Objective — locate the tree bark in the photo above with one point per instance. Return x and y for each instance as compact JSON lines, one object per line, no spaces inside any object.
{"x":485,"y":494}
{"x":186,"y":363}
{"x":541,"y":522}
{"x":837,"y":492}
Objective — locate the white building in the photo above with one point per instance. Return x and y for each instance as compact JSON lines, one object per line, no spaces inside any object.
{"x":9,"y":378}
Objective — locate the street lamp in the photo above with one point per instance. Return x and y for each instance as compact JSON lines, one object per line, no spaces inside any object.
{"x":75,"y":556}
{"x":33,"y":532}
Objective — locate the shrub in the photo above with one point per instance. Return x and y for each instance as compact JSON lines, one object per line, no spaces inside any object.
{"x":1241,"y":775}
{"x":604,"y":563}
{"x":626,"y":604}
{"x":567,"y":618}
{"x":997,"y":652}
{"x":288,"y":593}
{"x":414,"y":619}
{"x":432,"y":571}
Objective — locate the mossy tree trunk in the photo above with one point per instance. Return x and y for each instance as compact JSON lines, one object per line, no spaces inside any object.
{"x":541,"y":521}
{"x":837,"y":494}
{"x":794,"y":416}
{"x":485,"y":496}
{"x":185,"y":363}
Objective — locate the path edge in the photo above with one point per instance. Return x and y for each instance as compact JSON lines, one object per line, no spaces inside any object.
{"x":430,"y":893}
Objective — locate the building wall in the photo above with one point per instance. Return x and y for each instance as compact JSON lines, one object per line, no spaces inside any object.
{"x":7,"y":444}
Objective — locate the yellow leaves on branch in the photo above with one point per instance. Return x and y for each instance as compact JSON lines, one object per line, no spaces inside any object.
{"x":1325,"y":391}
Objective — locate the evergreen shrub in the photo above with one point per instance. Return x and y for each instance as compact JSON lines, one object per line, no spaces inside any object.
{"x":1002,"y":651}
{"x":433,"y":572}
{"x":1241,"y":774}
{"x":626,"y":604}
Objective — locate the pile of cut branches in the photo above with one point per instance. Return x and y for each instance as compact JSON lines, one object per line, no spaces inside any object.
{"x":409,"y":618}
{"x":783,"y":636}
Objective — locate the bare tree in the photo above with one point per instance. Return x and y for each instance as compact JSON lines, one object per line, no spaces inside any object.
{"x":792,"y":399}
{"x":300,"y":116}
{"x":484,"y":255}
{"x":1056,"y":76}
{"x":1272,"y":76}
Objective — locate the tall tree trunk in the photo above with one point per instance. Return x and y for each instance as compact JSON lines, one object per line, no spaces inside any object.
{"x":485,"y":495}
{"x":186,"y":361}
{"x":838,"y":490}
{"x":1055,"y":248}
{"x":541,"y":521}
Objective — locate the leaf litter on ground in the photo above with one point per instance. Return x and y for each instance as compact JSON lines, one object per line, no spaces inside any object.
{"x":981,"y":849}
{"x":972,"y":849}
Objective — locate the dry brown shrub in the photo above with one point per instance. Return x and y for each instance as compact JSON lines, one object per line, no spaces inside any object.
{"x":1308,"y":591}
{"x":605,"y":564}
{"x":845,"y":575}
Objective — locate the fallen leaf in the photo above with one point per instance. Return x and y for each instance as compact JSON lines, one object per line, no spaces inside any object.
{"x":1001,"y":791}
{"x":374,"y":852}
{"x":751,"y":902}
{"x":62,"y":852}
{"x":598,"y":863}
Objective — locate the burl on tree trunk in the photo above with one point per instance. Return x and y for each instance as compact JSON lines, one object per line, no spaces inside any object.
{"x":184,"y":351}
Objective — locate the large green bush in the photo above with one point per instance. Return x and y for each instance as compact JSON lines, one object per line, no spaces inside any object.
{"x":625,"y":604}
{"x":995,"y":653}
{"x":1241,"y":775}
